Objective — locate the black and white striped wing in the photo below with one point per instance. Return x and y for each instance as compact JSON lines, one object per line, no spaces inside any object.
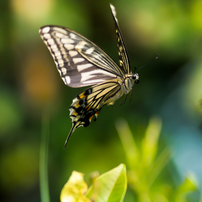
{"x":79,"y":61}
{"x":122,"y":52}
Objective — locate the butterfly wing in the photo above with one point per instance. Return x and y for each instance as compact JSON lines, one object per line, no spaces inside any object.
{"x":79,"y":61}
{"x":82,"y":63}
{"x":88,"y":104}
{"x":122,"y":52}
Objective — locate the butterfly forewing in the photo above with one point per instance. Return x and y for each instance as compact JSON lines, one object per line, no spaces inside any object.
{"x":79,"y":61}
{"x":122,"y":53}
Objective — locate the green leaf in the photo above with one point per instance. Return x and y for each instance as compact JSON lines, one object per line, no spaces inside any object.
{"x":189,"y":185}
{"x":110,"y":186}
{"x":128,"y":142}
{"x":150,"y":141}
{"x":158,"y":165}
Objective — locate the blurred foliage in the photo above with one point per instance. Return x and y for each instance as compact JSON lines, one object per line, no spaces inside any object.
{"x":43,"y":157}
{"x":144,"y":169}
{"x":169,"y":88}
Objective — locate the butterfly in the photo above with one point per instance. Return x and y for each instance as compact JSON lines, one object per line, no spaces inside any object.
{"x":80,"y":63}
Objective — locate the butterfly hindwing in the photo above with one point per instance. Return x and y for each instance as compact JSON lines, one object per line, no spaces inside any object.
{"x":88,"y":104}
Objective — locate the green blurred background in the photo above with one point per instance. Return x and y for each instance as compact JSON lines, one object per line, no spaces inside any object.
{"x":170,"y":88}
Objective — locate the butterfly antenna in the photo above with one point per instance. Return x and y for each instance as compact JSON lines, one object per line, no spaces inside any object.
{"x":156,"y":58}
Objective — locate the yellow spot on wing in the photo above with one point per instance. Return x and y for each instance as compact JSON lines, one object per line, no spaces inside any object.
{"x":91,"y":118}
{"x":110,"y":103}
{"x":96,"y":114}
{"x":82,"y":95}
{"x":88,"y":107}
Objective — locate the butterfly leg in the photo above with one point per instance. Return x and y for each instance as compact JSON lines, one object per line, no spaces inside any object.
{"x":125,"y":98}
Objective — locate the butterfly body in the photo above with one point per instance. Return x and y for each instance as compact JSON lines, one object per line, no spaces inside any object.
{"x":80,"y":63}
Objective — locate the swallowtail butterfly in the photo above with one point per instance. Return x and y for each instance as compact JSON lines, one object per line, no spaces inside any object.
{"x":82,"y":63}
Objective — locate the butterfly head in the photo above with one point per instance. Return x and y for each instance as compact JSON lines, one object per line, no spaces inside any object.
{"x":129,"y":81}
{"x":135,"y":77}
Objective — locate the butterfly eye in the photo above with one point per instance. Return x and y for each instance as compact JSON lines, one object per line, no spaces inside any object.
{"x":134,"y":76}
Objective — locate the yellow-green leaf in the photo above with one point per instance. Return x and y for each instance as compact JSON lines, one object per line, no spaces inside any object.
{"x":110,"y":186}
{"x":75,"y":188}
